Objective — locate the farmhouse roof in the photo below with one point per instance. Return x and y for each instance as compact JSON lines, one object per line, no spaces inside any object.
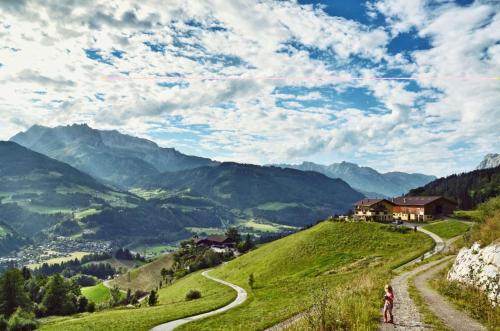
{"x":417,"y":201}
{"x":370,"y":202}
{"x":217,"y":239}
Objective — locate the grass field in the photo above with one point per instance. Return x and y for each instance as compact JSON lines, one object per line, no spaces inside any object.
{"x":154,"y":250}
{"x":289,"y":272}
{"x":172,"y":305}
{"x":97,"y":293}
{"x":145,"y":277}
{"x":72,"y":256}
{"x":266,"y":227}
{"x":208,"y":231}
{"x":447,"y":229}
{"x":87,"y":212}
{"x":274,"y":206}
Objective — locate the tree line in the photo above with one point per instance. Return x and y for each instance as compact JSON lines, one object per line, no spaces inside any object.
{"x":467,"y":189}
{"x":24,"y":296}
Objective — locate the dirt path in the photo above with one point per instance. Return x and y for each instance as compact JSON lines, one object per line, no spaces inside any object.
{"x":406,"y":315}
{"x":242,"y":296}
{"x":452,"y":317}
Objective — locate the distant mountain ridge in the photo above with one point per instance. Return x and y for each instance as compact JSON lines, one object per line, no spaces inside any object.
{"x":366,"y":179}
{"x":285,"y":196}
{"x":107,"y":155}
{"x":489,"y":161}
{"x":37,"y":193}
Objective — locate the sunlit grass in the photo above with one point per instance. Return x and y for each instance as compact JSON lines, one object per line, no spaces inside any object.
{"x":447,"y":229}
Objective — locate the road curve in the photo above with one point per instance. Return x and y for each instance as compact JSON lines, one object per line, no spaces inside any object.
{"x":242,"y":296}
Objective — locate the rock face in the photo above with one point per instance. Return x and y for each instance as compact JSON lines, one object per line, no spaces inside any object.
{"x":489,"y":161}
{"x":479,"y":267}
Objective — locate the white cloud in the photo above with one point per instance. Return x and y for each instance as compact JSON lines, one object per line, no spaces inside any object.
{"x":47,"y":78}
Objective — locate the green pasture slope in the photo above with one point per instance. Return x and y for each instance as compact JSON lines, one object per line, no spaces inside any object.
{"x":97,"y":293}
{"x":287,"y":272}
{"x":447,"y":229}
{"x":172,"y":306}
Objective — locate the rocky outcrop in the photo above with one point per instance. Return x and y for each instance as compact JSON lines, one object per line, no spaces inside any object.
{"x":489,"y":161}
{"x":479,"y":267}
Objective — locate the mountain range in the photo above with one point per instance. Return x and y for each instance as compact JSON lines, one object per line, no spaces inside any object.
{"x":489,"y":161}
{"x":90,"y":184}
{"x":368,"y":180}
{"x":110,"y":156}
{"x":285,"y":196}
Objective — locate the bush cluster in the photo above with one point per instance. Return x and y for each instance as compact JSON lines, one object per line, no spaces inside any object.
{"x":193,"y":295}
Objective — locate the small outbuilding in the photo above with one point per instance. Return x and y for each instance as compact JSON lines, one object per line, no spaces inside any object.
{"x":216,"y":242}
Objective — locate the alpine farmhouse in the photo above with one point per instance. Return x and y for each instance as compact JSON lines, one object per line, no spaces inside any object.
{"x":417,"y":209}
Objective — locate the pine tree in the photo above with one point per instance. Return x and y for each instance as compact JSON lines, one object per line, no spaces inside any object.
{"x":12,"y":293}
{"x":153,"y":298}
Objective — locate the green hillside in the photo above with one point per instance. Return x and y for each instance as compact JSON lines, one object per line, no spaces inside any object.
{"x":298,"y":197}
{"x":287,"y":274}
{"x":10,"y":240}
{"x":448,"y":229}
{"x":172,"y":305}
{"x":97,"y":293}
{"x":39,"y":194}
{"x":146,"y":277}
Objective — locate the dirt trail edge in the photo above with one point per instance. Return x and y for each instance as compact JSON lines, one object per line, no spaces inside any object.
{"x":242,"y":296}
{"x":452,"y":317}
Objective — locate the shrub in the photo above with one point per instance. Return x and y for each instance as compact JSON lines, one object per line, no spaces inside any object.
{"x":82,"y":304}
{"x":251,"y":280}
{"x":85,"y":280}
{"x":153,"y":298}
{"x":91,"y":307}
{"x":22,"y":320}
{"x":193,"y":295}
{"x":400,"y":229}
{"x":3,"y":323}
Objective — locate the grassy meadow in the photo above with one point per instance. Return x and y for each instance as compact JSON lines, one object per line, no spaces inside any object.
{"x":172,"y":305}
{"x":447,"y":229}
{"x":97,"y":293}
{"x":291,"y":273}
{"x":146,"y":277}
{"x":71,"y":256}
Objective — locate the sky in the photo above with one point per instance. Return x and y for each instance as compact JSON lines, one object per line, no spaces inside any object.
{"x":392,"y":84}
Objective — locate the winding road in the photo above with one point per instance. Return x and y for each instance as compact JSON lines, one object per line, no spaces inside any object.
{"x":242,"y":296}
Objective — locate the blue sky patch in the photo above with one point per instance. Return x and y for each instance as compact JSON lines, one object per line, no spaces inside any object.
{"x":408,"y":42}
{"x":95,"y":54}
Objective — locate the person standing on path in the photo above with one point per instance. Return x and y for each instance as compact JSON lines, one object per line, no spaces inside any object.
{"x":388,"y":304}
